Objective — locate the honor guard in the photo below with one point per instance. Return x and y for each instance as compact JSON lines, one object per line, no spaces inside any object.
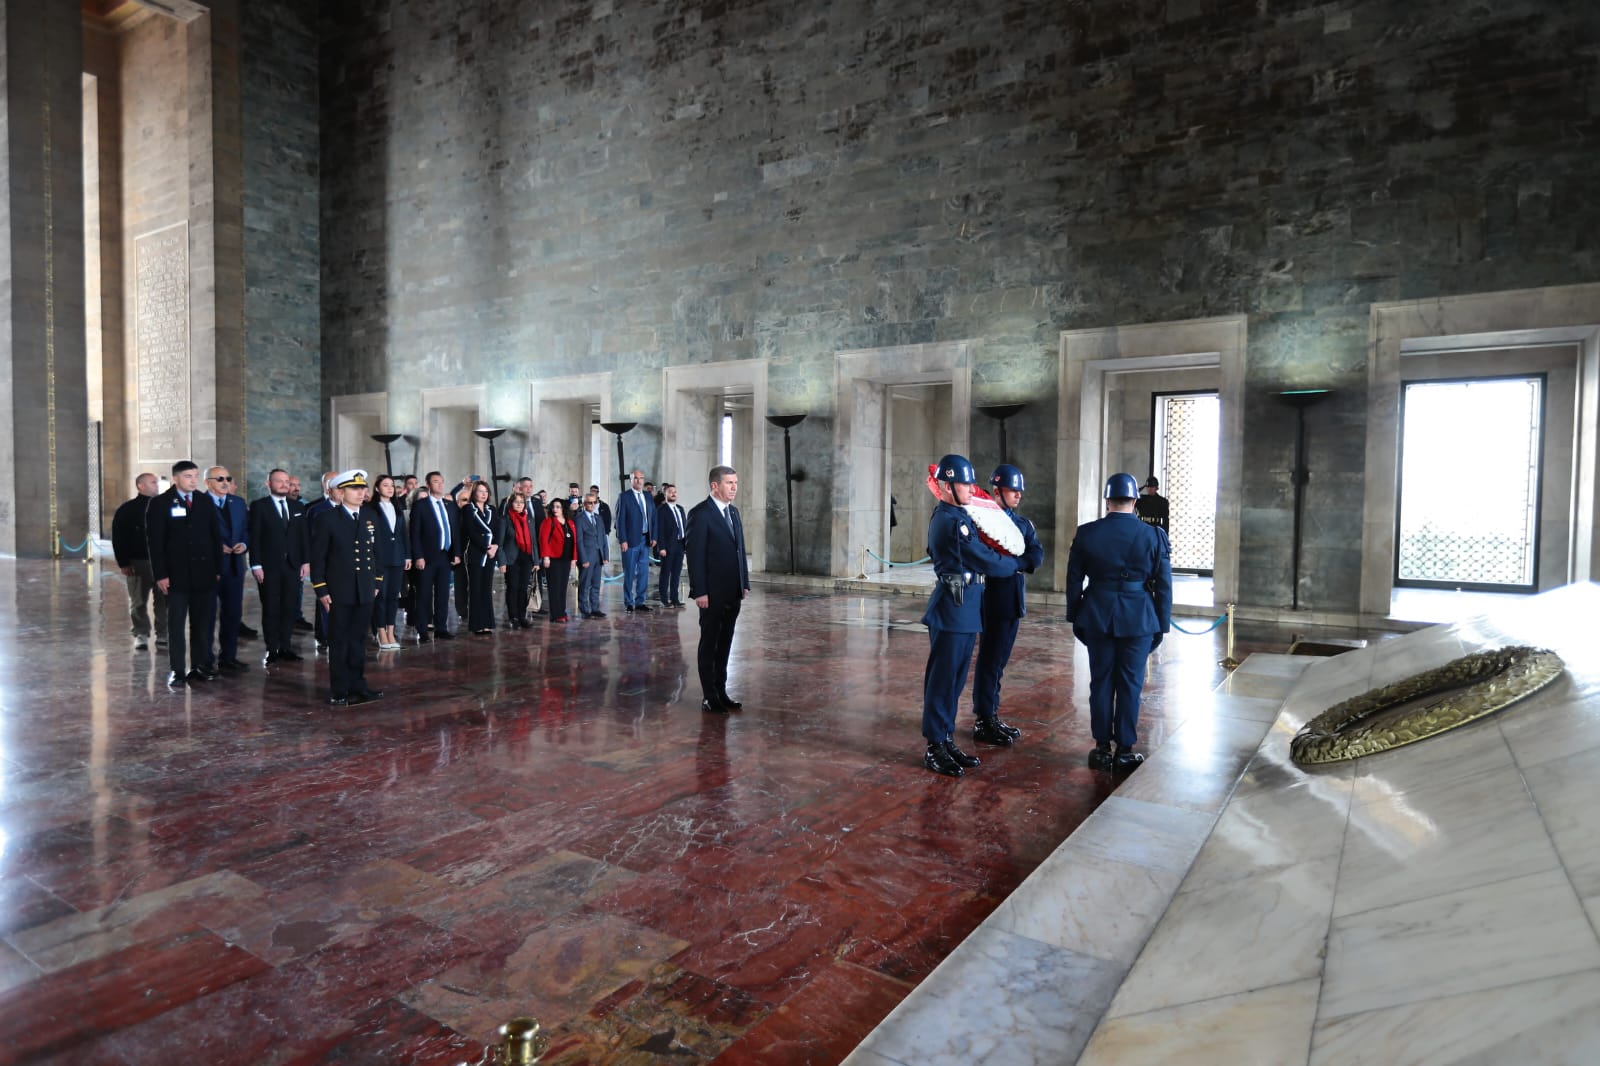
{"x":345,"y":578}
{"x":962,"y":563}
{"x":1120,"y":615}
{"x":1004,"y":604}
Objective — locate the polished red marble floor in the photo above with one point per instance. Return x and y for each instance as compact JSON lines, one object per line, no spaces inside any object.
{"x":536,"y":823}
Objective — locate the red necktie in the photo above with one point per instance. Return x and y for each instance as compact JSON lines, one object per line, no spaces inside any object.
{"x":186,"y":503}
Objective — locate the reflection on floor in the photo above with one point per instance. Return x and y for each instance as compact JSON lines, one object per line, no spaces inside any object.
{"x":533,"y":822}
{"x":1448,"y":605}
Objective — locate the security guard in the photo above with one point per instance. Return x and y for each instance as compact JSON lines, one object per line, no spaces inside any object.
{"x":1120,"y":617}
{"x":1004,"y":604}
{"x":344,"y":578}
{"x":962,"y":562}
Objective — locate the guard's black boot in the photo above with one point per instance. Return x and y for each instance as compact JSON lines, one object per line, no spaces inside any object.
{"x":940,"y":762}
{"x":1016,"y":734}
{"x":960,"y":757}
{"x":992,"y":731}
{"x":1101,"y":758}
{"x":1128,"y":760}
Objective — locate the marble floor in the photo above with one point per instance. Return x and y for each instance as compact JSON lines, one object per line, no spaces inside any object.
{"x":533,"y":822}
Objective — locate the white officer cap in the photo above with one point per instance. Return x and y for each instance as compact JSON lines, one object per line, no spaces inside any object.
{"x":351,"y":479}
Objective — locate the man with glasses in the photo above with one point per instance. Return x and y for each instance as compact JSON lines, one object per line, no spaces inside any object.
{"x":592,"y":556}
{"x":233,"y":524}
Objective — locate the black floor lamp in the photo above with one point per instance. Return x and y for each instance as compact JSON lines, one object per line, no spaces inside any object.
{"x":786,"y":423}
{"x":619,"y":428}
{"x":387,"y":439}
{"x":1000,"y":412}
{"x":489,"y":433}
{"x":1300,"y":399}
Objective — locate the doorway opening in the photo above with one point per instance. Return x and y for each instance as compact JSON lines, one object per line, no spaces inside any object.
{"x":1185,"y":451}
{"x":917,"y":432}
{"x":1470,"y":486}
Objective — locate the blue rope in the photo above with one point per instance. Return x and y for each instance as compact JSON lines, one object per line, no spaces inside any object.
{"x":608,"y":579}
{"x":70,"y":548}
{"x":1201,"y":632}
{"x":890,"y":562}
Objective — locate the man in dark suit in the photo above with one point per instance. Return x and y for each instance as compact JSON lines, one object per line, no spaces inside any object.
{"x":435,"y":548}
{"x":1120,"y":617}
{"x":278,"y":547}
{"x":592,"y":556}
{"x":233,"y":520}
{"x":345,"y":580}
{"x":719,"y":580}
{"x":132,"y":549}
{"x":636,"y":535}
{"x":186,"y":559}
{"x":670,"y":526}
{"x":315,"y":508}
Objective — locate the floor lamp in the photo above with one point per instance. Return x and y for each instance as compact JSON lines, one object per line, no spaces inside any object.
{"x":786,"y":423}
{"x":1300,"y":399}
{"x":387,"y":439}
{"x":1000,"y":412}
{"x":489,"y":433}
{"x":619,"y":428}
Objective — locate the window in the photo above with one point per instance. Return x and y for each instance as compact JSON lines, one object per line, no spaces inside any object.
{"x":1469,"y":483}
{"x":1185,"y":427}
{"x":725,"y":441}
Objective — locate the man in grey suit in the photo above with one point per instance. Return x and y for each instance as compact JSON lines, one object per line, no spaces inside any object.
{"x":592,"y":556}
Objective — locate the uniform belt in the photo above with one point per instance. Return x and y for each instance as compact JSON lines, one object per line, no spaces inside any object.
{"x":975,"y":579}
{"x":1119,"y":586}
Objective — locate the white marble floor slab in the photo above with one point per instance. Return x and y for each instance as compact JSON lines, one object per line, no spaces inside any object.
{"x":1145,"y":834}
{"x":1264,"y":832}
{"x":1566,"y":791}
{"x":1467,"y":752}
{"x":1269,"y":1027}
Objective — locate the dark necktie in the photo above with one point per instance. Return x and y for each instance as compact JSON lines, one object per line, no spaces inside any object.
{"x":283,"y":512}
{"x":186,"y":501}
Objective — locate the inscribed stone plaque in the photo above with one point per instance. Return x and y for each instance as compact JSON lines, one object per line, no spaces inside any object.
{"x":161,"y":341}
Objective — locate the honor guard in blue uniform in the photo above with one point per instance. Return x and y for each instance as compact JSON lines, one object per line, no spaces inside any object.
{"x":1120,"y":616}
{"x":962,"y":563}
{"x":345,"y":577}
{"x":1004,"y":605}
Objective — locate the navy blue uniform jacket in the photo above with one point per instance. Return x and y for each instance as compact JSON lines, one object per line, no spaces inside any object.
{"x":1007,"y":597}
{"x":344,"y":557}
{"x":955,"y":548}
{"x":712,"y":549}
{"x":1128,"y":567}
{"x":185,"y":546}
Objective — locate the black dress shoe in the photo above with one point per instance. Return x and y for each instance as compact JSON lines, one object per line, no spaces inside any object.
{"x":269,"y":658}
{"x":711,"y":706}
{"x":322,"y":645}
{"x":288,"y":655}
{"x":175,"y":679}
{"x":1100,"y":758}
{"x":198,"y":674}
{"x":340,"y":701}
{"x":233,"y":664}
{"x":598,"y":614}
{"x":643,"y":608}
{"x":247,"y":632}
{"x":961,"y":758}
{"x":989,"y":731}
{"x":423,"y":638}
{"x":731,"y":703}
{"x":371,"y":694}
{"x":628,"y":609}
{"x":1128,"y":760}
{"x":303,"y":626}
{"x":1016,"y":734}
{"x":443,"y":634}
{"x":939,"y":761}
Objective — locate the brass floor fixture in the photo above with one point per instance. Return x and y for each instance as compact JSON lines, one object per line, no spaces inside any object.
{"x":1424,"y":705}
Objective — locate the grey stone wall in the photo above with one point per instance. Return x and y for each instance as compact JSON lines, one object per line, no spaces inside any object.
{"x":282,"y":262}
{"x":513,"y":191}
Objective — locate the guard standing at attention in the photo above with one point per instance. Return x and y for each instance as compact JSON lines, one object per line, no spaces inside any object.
{"x":1120,"y":616}
{"x":1152,"y":506}
{"x":1004,"y":605}
{"x":345,"y":578}
{"x":962,"y":563}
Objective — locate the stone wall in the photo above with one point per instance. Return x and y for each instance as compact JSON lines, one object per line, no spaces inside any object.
{"x":515,"y":191}
{"x":278,"y":91}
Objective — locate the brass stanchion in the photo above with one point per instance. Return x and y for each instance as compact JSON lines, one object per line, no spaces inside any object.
{"x":861,"y":574}
{"x":521,"y":1044}
{"x":1229,"y":662}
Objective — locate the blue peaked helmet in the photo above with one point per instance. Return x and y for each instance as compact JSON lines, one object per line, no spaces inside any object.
{"x":955,"y":470}
{"x":1006,"y":476}
{"x":1122,"y":487}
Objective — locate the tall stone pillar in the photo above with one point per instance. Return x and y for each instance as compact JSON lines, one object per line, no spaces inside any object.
{"x":43,"y":398}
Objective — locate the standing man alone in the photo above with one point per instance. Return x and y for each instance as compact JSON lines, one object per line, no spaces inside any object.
{"x":1120,"y":617}
{"x":719,"y":580}
{"x":132,"y":550}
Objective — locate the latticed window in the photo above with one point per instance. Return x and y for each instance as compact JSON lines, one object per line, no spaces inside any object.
{"x":1469,"y":483}
{"x":1186,"y":428}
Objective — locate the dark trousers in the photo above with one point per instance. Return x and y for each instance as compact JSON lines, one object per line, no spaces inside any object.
{"x":667,"y":585}
{"x":462,"y":582}
{"x":1116,"y":677}
{"x":480,"y":593}
{"x":994,"y":651}
{"x":433,"y":595}
{"x":280,"y":599}
{"x":716,"y":641}
{"x":559,"y":575}
{"x":518,"y":576}
{"x":589,"y":579}
{"x":228,"y":612}
{"x":386,"y":604}
{"x":141,"y":590}
{"x":191,"y":607}
{"x":347,"y":647}
{"x":949,"y":659}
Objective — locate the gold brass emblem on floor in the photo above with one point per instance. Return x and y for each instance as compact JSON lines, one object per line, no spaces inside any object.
{"x":1424,"y":704}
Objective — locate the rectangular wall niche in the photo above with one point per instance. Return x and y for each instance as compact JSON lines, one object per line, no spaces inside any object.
{"x":161,"y":342}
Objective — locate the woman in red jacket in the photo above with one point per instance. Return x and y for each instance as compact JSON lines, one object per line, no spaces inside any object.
{"x":558,"y":546}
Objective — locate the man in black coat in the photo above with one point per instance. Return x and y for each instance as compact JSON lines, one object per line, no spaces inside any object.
{"x":279,"y":544}
{"x":186,"y":560}
{"x":132,"y":549}
{"x":345,"y":580}
{"x":719,"y":580}
{"x":436,"y":545}
{"x":671,"y":527}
